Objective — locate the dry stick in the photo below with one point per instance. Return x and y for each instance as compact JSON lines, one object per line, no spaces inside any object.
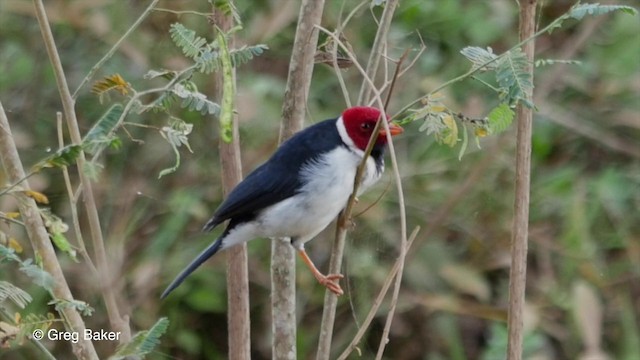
{"x":376,"y":51}
{"x":118,"y":322}
{"x":443,"y":213}
{"x":73,"y":204}
{"x":39,"y":238}
{"x":115,"y":47}
{"x":283,"y":275}
{"x":330,"y":302}
{"x":518,"y":273}
{"x":239,"y":322}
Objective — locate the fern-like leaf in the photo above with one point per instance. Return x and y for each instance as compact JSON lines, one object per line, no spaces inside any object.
{"x":195,"y":100}
{"x":546,"y":62}
{"x":513,"y":78}
{"x":143,"y":342}
{"x":79,"y":305}
{"x":191,"y":44}
{"x":110,"y":83}
{"x":500,"y":118}
{"x":101,"y":134}
{"x":481,"y":58}
{"x":9,"y":291}
{"x":579,"y":11}
{"x":246,"y":53}
{"x":63,"y":157}
{"x":38,"y":275}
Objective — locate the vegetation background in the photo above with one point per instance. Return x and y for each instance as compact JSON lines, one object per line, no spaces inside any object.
{"x":583,"y":287}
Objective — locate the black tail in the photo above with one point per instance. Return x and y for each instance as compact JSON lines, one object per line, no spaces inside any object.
{"x":204,"y":255}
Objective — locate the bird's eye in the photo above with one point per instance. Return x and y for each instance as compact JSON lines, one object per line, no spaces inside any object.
{"x":366,"y":126}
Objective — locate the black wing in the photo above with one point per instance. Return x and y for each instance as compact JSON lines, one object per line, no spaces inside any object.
{"x":278,"y":178}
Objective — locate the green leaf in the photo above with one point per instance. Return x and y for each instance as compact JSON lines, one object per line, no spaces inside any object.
{"x":545,"y":62}
{"x":143,"y":342}
{"x":195,"y":100}
{"x":481,"y":58}
{"x":579,"y":11}
{"x":79,"y":305}
{"x":176,"y":135}
{"x":38,"y":275}
{"x":514,"y":79}
{"x":187,"y":40}
{"x":61,"y":158}
{"x":101,"y":134}
{"x":465,"y":142}
{"x":228,"y":93}
{"x":9,"y":291}
{"x":500,"y":118}
{"x":246,"y":53}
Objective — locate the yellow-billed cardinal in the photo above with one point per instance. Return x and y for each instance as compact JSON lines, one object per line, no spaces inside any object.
{"x":300,"y":189}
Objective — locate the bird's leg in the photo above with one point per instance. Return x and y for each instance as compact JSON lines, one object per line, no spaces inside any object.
{"x":330,"y":280}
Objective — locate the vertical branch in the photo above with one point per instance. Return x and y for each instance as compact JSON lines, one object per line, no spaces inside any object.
{"x":337,"y":250}
{"x":239,"y":323}
{"x":118,"y":322}
{"x":377,"y":50}
{"x":293,"y":111}
{"x":518,"y":273}
{"x":39,"y":238}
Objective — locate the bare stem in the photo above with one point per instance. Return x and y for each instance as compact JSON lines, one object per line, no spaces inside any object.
{"x":283,"y":275}
{"x":519,"y":239}
{"x":239,"y":322}
{"x":39,"y":239}
{"x":118,"y":322}
{"x":377,"y":49}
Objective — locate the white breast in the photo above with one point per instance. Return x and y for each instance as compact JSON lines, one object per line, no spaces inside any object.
{"x":328,"y":185}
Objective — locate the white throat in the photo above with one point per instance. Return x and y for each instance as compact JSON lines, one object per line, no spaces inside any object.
{"x":342,"y":130}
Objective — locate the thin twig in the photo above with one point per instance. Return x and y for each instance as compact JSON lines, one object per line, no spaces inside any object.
{"x":114,"y":48}
{"x":283,"y":275}
{"x":519,"y":238}
{"x":376,"y":50}
{"x":377,"y":302}
{"x":330,"y":303}
{"x":73,"y":205}
{"x":118,"y":322}
{"x":39,"y":238}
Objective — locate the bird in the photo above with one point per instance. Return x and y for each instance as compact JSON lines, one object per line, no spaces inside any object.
{"x":301,"y":189}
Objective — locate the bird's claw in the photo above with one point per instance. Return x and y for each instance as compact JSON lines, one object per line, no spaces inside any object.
{"x":331,"y":282}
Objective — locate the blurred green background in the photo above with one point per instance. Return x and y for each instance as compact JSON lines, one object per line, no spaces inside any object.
{"x":583,"y":291}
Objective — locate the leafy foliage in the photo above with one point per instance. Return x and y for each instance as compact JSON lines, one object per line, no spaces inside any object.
{"x":194,"y":100}
{"x":482,"y":59}
{"x":81,"y":306}
{"x":64,"y":157}
{"x":101,"y":135}
{"x":514,"y":78}
{"x":14,"y":293}
{"x":143,"y":342}
{"x":38,"y":275}
{"x":500,"y":118}
{"x":191,"y":44}
{"x":176,"y":135}
{"x":579,"y":11}
{"x":113,"y":82}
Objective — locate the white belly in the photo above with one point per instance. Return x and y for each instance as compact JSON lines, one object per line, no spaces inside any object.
{"x":328,"y":185}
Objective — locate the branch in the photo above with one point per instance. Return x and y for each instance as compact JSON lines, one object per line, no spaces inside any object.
{"x":239,"y":322}
{"x":283,"y":276}
{"x":519,"y":238}
{"x":39,"y":238}
{"x":376,"y":51}
{"x":118,"y":323}
{"x":328,"y":317}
